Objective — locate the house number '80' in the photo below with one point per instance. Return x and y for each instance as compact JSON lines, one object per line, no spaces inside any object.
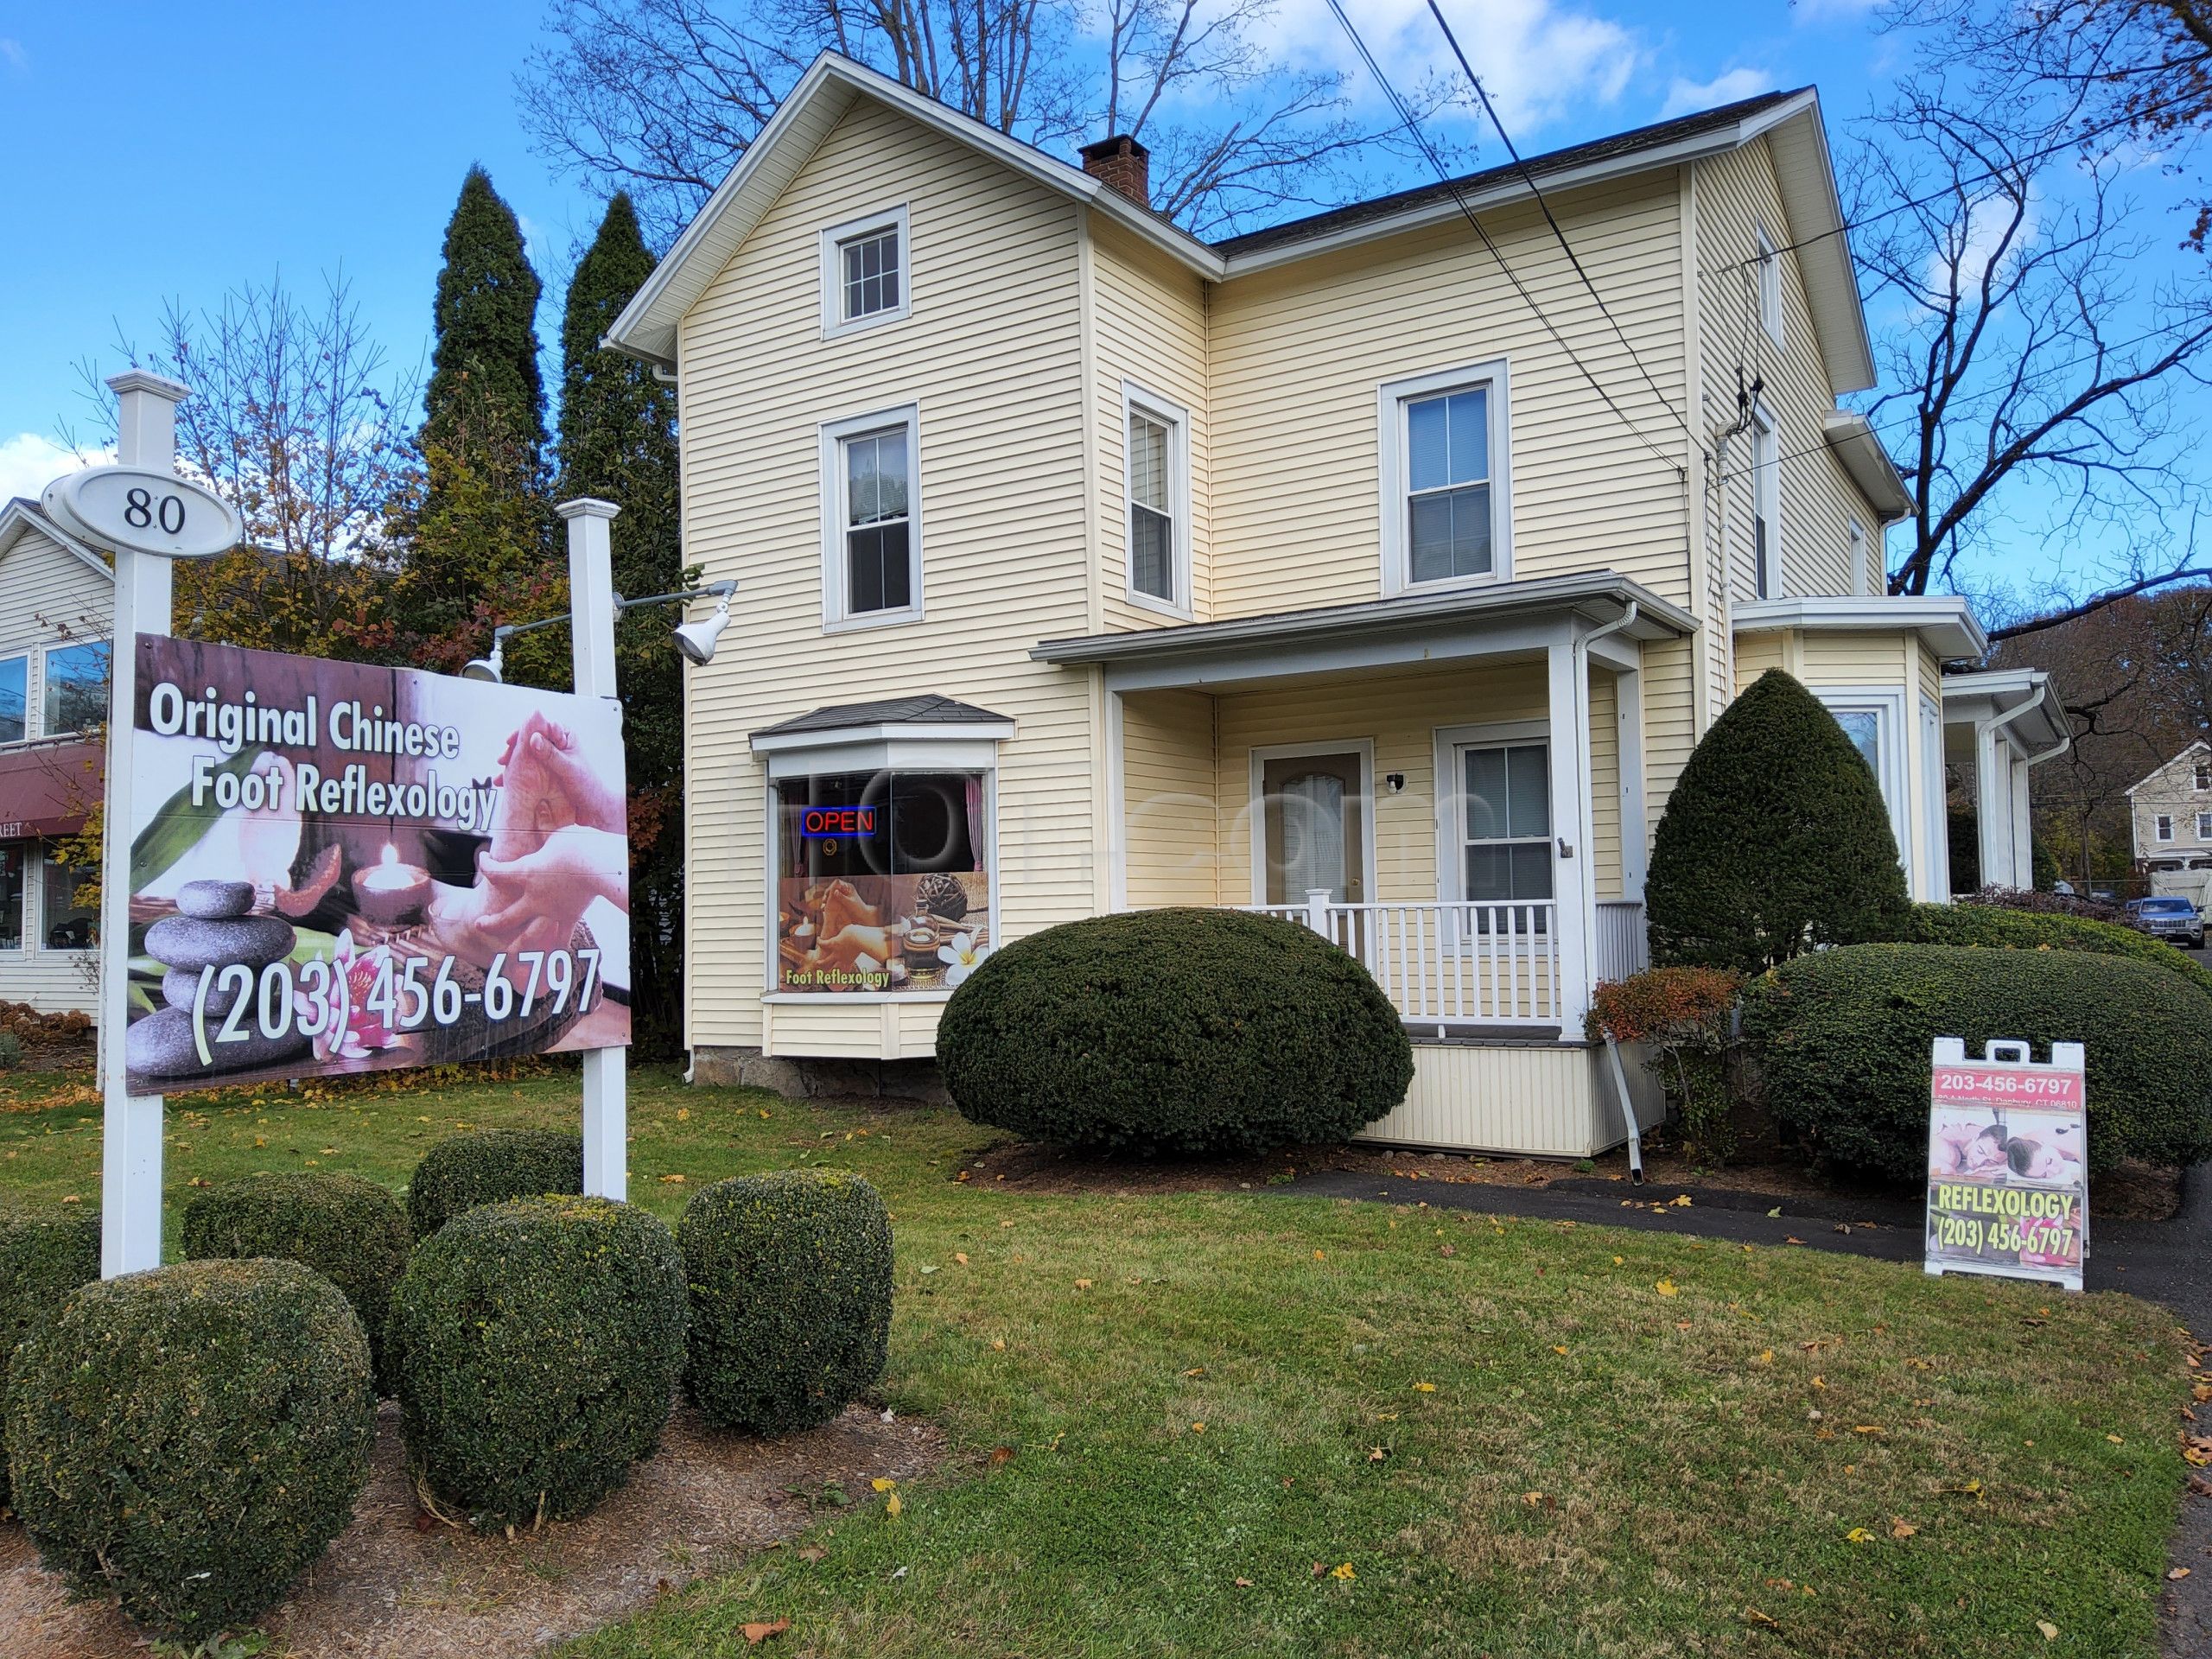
{"x":142,"y":512}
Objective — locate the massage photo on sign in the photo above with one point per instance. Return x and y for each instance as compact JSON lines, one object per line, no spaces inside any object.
{"x":2015,"y":1147}
{"x":337,"y":867}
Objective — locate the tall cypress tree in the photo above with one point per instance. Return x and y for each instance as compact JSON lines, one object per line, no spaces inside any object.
{"x":617,"y":442}
{"x":481,"y":536}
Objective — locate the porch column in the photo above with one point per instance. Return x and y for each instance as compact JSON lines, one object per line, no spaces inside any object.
{"x":1992,"y":805}
{"x":2023,"y":844}
{"x":1628,"y":710}
{"x":1575,"y":881}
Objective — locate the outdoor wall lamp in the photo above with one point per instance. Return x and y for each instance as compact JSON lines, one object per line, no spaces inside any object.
{"x":695,"y":639}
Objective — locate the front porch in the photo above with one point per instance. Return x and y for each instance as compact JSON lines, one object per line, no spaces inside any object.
{"x":1453,"y":791}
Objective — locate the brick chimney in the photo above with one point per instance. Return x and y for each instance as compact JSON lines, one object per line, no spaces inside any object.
{"x":1120,"y":163}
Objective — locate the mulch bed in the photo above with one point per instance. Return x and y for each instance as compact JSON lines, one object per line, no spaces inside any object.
{"x":397,"y":1585}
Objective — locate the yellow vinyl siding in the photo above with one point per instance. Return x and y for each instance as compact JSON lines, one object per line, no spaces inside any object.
{"x":1167,"y":794}
{"x":1605,"y":783}
{"x":1670,"y":731}
{"x":1300,"y":353}
{"x":1734,"y":194}
{"x":992,"y":355}
{"x":1150,"y":328}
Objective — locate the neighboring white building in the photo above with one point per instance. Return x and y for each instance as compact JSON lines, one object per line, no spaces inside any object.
{"x":2171,"y":824}
{"x":56,"y":601}
{"x":1997,"y":724}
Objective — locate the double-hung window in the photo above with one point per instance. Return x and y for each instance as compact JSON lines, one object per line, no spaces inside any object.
{"x":1159,"y":502}
{"x":2203,"y":767}
{"x":1770,"y":269}
{"x":76,"y":687}
{"x":1447,"y":494}
{"x":1766,"y":509}
{"x":2204,"y":826}
{"x":1499,"y":823}
{"x":15,"y":698}
{"x":865,"y":276}
{"x":2165,"y":826}
{"x":1874,"y":721}
{"x":872,"y":527}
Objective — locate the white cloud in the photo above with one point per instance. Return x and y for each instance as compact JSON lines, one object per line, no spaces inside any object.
{"x":29,"y":462}
{"x":1540,"y":61}
{"x":1688,"y":97}
{"x":1833,"y":12}
{"x":12,"y":53}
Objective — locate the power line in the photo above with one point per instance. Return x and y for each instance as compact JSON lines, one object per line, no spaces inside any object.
{"x":1566,"y":247}
{"x":1450,"y":183}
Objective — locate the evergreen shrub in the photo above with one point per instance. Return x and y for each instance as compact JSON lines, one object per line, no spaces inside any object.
{"x":537,"y":1345}
{"x":1175,"y":1031}
{"x":1843,"y":1038}
{"x":791,"y":1297}
{"x":2005,"y":928}
{"x":1775,"y":841}
{"x":490,"y":1166}
{"x":189,"y":1439}
{"x":43,"y":1257}
{"x":351,"y":1231}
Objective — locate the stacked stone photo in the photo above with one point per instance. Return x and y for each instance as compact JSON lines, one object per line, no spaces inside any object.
{"x":213,"y":928}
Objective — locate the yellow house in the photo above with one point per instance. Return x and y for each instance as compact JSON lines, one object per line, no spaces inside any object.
{"x":1373,"y":569}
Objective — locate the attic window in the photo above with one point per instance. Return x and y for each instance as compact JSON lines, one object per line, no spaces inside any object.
{"x":1769,"y":286}
{"x":864,"y":272}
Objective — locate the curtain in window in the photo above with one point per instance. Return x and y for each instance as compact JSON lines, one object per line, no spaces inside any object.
{"x":1313,"y":836}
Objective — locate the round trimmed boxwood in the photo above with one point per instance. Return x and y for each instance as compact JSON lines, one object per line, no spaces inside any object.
{"x":187,"y":1440}
{"x":489,"y":1166}
{"x":791,"y":1297}
{"x":43,"y":1257}
{"x":1775,"y":841}
{"x":537,"y":1345}
{"x":351,"y":1231}
{"x":2001,"y":927}
{"x":1175,"y":1031}
{"x":1843,"y":1037}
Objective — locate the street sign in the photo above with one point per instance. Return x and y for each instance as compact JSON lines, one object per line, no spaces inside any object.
{"x":137,"y":510}
{"x":2008,"y":1183}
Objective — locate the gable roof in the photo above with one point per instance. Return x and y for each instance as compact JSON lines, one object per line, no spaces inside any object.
{"x":21,"y":516}
{"x":2165,"y":766}
{"x":1791,"y":122}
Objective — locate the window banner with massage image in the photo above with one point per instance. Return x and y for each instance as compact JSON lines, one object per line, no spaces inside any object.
{"x":337,"y":867}
{"x":2008,"y":1190}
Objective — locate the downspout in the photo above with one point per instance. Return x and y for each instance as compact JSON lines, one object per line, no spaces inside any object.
{"x":1612,"y":1049}
{"x":1983,"y":728}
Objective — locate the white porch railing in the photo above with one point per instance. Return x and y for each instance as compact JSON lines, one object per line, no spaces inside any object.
{"x":1621,"y":946}
{"x":1449,"y":963}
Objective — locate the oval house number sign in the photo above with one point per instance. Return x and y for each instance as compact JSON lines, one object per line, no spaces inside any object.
{"x":128,"y":507}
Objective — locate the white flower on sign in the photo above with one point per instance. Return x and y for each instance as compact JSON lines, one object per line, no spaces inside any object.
{"x":961,"y":957}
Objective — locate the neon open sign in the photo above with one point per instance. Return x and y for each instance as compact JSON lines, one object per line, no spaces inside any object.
{"x":823,"y":822}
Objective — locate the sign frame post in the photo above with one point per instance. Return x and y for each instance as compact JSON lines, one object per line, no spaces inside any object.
{"x":131,"y":1125}
{"x":592,"y":606}
{"x":2002,"y":1202}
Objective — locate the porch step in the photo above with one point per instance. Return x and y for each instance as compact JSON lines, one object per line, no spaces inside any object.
{"x":1428,"y":1034}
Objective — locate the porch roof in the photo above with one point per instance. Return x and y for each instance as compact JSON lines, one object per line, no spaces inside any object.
{"x":1426,"y":627}
{"x":2023,"y":702}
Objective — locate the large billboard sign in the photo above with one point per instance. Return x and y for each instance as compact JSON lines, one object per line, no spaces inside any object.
{"x":336,"y":868}
{"x":2008,"y":1186}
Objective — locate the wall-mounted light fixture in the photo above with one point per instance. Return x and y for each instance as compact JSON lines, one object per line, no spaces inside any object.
{"x":695,"y":639}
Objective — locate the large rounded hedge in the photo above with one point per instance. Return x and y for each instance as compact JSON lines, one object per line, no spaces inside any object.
{"x":791,"y":1297}
{"x":1775,"y":841}
{"x":43,"y":1257}
{"x":537,"y":1345}
{"x":1843,"y":1038}
{"x":490,"y":1166}
{"x":1176,"y":1030}
{"x":2003,"y":928}
{"x":351,"y":1231}
{"x":189,"y":1439}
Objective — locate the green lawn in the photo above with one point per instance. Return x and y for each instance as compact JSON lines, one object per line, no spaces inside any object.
{"x":1421,"y":1433}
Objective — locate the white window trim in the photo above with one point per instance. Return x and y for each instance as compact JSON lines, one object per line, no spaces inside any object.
{"x":1766,"y":484}
{"x":1888,"y":705}
{"x":2201,"y":777}
{"x":1935,"y":804}
{"x":40,"y":862}
{"x":1259,"y":755}
{"x":30,"y":657}
{"x":1136,"y":400}
{"x":1451,"y":813}
{"x":1770,"y":283}
{"x":2162,"y":826}
{"x":835,"y":616}
{"x":1391,"y":398}
{"x":834,"y":320}
{"x":773,"y":863}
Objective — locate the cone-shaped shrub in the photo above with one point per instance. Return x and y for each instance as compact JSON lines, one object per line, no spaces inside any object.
{"x":187,"y":1440}
{"x":1775,"y":841}
{"x":538,"y":1343}
{"x":351,"y":1232}
{"x":1180,"y":1031}
{"x":490,"y":1166}
{"x":42,"y":1259}
{"x":791,"y":1297}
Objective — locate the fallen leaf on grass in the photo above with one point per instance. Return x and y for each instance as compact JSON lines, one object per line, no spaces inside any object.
{"x":1423,"y":1388}
{"x":671,"y":1180}
{"x":1001,"y":1456}
{"x":683,"y":1113}
{"x":960,"y":1256}
{"x":1766,"y":1356}
{"x":2115,"y":1439}
{"x":998,"y":1345}
{"x":1244,"y":1584}
{"x":1859,"y":1536}
{"x":1900,"y":1528}
{"x":1377,"y":1455}
{"x":1197,"y":1428}
{"x":1752,"y":1616}
{"x":755,"y":1634}
{"x":892,"y":1507}
{"x":1559,"y":1347}
{"x":811,"y":1552}
{"x":1343,"y":1570}
{"x":1445,"y":1249}
{"x":1665,"y":1287}
{"x":2049,"y":1630}
{"x":1868,"y":1429}
{"x":1083,"y":1284}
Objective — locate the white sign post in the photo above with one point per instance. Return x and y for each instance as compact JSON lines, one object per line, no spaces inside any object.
{"x":130,"y":1159}
{"x":591,"y":603}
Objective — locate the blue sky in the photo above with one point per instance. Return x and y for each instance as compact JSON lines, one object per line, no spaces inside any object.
{"x":170,"y":152}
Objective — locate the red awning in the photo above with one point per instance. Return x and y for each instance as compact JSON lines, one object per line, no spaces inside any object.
{"x":46,"y":788}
